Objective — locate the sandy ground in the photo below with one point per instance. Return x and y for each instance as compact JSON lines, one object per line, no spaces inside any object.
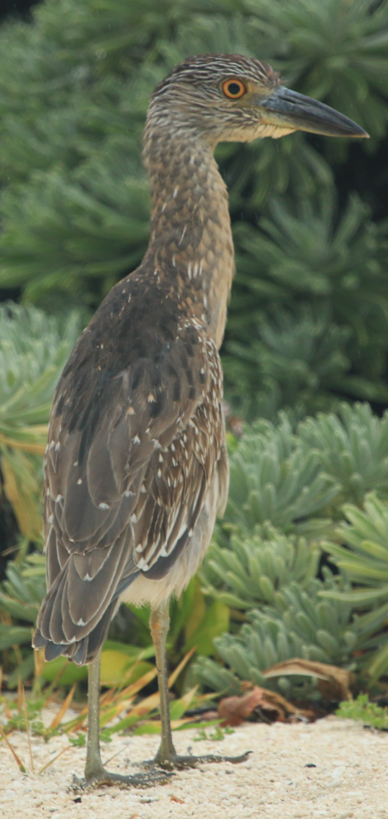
{"x":350,"y":777}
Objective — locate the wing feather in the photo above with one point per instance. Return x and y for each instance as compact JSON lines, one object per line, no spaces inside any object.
{"x":131,"y":455}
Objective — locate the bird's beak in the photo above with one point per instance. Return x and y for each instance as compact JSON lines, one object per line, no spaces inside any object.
{"x":292,"y":110}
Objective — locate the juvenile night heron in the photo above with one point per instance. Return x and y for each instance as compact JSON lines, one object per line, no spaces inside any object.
{"x":136,"y":466}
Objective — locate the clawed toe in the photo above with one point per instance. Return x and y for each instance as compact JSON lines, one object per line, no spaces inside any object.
{"x":106,"y":778}
{"x":191,"y":761}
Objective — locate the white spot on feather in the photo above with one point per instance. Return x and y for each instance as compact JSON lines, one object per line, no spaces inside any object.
{"x":143,"y":565}
{"x":183,"y":234}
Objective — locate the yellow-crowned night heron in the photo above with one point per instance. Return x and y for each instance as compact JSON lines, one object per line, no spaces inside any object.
{"x":136,"y":466}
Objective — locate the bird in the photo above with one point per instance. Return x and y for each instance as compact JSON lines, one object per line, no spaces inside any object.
{"x":136,"y":465}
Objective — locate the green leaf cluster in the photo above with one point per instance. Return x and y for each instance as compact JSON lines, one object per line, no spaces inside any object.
{"x":34,"y":348}
{"x":362,"y":710}
{"x":362,"y":557}
{"x":308,"y":316}
{"x":298,"y":624}
{"x":264,"y":558}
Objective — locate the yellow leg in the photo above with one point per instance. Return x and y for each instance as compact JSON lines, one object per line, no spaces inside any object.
{"x":167,"y":756}
{"x":95,"y":773}
{"x":159,"y":625}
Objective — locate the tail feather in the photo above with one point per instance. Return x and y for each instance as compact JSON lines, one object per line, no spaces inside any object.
{"x":80,"y":651}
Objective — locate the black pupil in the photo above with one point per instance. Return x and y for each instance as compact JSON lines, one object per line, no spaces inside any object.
{"x":234,"y":89}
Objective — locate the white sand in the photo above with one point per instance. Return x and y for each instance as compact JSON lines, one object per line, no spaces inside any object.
{"x":350,"y":778}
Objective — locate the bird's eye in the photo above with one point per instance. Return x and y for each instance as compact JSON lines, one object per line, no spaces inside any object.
{"x":234,"y":89}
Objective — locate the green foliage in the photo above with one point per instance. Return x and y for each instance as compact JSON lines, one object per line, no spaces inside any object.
{"x":250,"y":570}
{"x":274,"y":478}
{"x":364,"y":561}
{"x":33,"y":351}
{"x":308,"y":317}
{"x":352,"y":449}
{"x":310,"y":291}
{"x":269,"y":574}
{"x":216,"y":736}
{"x":298,"y":624}
{"x":362,"y":710}
{"x":336,"y":50}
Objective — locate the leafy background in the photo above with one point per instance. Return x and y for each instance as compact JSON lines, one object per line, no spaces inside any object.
{"x":299,"y":565}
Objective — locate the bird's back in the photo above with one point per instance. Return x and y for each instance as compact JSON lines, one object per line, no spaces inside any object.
{"x":135,"y":464}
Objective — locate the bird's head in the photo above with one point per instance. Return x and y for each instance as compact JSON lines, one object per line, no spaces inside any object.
{"x":228,"y":97}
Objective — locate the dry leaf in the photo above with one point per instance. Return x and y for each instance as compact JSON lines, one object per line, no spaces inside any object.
{"x":176,"y":799}
{"x":64,"y":707}
{"x":234,"y":710}
{"x":13,"y":752}
{"x":334,"y":683}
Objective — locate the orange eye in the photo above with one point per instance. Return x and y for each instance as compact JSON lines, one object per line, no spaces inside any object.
{"x":234,"y":89}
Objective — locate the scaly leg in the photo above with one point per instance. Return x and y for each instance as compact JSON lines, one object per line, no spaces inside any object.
{"x":159,"y":625}
{"x":95,"y":773}
{"x":167,"y":756}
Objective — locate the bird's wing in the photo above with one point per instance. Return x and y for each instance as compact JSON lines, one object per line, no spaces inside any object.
{"x":129,"y":459}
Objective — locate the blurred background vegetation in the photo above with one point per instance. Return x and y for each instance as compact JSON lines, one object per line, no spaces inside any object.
{"x":299,"y":566}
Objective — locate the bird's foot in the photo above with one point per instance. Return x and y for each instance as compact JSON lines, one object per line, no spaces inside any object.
{"x":102,"y":777}
{"x":191,"y":761}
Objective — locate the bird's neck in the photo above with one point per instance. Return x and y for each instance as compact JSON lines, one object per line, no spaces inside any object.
{"x":190,"y":223}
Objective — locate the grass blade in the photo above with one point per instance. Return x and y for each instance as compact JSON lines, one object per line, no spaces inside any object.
{"x":64,"y":707}
{"x":14,"y":754}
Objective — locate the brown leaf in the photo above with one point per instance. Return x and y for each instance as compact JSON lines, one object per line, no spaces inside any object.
{"x":64,"y":707}
{"x":234,"y":710}
{"x":13,"y":752}
{"x":334,"y":683}
{"x":176,"y":799}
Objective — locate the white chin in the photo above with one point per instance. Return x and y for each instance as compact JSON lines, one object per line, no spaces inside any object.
{"x":275,"y":131}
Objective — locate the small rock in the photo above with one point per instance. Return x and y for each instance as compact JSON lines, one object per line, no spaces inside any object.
{"x":144,"y":799}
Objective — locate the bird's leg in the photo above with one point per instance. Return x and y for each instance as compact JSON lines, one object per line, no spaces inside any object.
{"x":167,"y":756}
{"x":93,"y":766}
{"x":159,"y":625}
{"x":95,"y":773}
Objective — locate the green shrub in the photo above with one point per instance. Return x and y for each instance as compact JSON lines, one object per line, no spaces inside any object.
{"x":298,"y":624}
{"x":308,"y":317}
{"x":267,"y":575}
{"x":33,"y":350}
{"x":364,"y":561}
{"x":362,"y":710}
